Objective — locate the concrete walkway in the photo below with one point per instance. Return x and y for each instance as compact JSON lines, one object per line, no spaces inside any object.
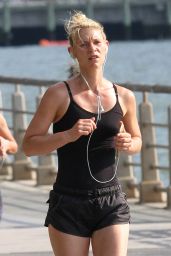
{"x":24,"y":210}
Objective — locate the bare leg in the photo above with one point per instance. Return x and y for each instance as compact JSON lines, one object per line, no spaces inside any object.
{"x":111,"y":241}
{"x":68,"y":245}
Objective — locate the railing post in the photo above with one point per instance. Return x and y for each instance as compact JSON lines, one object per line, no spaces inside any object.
{"x":169,"y":139}
{"x":150,"y":176}
{"x":20,"y":167}
{"x":46,"y":171}
{"x":126,"y":175}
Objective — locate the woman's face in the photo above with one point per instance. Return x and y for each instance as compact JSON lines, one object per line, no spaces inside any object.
{"x":90,"y":47}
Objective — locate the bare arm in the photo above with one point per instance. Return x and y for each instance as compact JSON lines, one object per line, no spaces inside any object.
{"x":7,"y":141}
{"x":129,"y":137}
{"x":53,"y":105}
{"x":37,"y":141}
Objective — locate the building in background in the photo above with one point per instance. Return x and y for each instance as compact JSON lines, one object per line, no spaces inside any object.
{"x":28,"y":21}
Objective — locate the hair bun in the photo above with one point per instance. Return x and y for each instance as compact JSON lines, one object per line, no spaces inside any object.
{"x":77,"y":21}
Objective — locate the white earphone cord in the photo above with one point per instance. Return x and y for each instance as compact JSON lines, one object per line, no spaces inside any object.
{"x":100,"y":109}
{"x":115,"y":165}
{"x":116,"y":152}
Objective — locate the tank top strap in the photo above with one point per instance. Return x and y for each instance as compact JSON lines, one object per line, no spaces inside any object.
{"x":116,"y":91}
{"x":69,"y":90}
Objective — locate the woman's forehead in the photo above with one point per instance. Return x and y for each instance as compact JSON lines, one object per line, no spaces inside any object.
{"x":87,"y":34}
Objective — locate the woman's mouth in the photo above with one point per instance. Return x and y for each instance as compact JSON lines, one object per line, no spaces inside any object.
{"x":93,"y":57}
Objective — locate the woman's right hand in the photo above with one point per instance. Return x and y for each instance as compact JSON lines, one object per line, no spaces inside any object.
{"x":81,"y":127}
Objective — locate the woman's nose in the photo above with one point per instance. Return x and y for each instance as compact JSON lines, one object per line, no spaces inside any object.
{"x":91,"y":46}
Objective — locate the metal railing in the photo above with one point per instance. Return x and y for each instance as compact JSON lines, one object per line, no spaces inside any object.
{"x":25,"y":83}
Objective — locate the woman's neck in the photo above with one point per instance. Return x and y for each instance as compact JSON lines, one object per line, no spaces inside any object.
{"x":93,"y":81}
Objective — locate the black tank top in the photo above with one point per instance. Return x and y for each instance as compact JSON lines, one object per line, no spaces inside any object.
{"x":73,"y":169}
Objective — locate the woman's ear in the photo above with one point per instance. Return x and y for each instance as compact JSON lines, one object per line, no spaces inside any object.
{"x":71,"y":52}
{"x":107,"y":46}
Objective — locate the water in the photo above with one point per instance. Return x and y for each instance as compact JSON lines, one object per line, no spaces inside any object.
{"x":141,"y":62}
{"x":138,"y":62}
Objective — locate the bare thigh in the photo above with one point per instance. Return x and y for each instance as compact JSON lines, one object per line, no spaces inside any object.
{"x":68,"y":245}
{"x":111,"y":241}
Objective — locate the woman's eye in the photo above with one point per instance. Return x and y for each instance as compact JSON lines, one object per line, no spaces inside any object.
{"x":83,"y":45}
{"x":86,"y":45}
{"x":97,"y":42}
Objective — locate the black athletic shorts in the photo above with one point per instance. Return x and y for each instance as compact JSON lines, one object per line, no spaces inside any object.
{"x":80,"y":213}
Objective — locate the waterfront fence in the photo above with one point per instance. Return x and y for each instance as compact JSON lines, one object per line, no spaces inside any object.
{"x":22,"y":97}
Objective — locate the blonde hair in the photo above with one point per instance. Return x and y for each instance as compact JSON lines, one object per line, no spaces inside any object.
{"x":77,"y":21}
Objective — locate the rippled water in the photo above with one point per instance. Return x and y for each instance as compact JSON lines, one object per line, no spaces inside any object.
{"x":139,"y":62}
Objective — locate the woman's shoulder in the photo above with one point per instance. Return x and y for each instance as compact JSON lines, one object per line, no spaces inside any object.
{"x":57,"y":87}
{"x":125,"y":93}
{"x":126,"y":98}
{"x":57,"y":90}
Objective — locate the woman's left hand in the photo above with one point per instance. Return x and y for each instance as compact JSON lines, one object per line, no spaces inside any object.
{"x":123,"y":140}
